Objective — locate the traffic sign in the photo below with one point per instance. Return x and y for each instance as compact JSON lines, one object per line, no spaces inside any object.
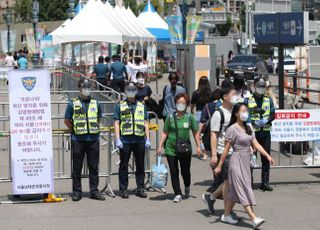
{"x":293,"y":28}
{"x":284,"y":28}
{"x":266,"y":28}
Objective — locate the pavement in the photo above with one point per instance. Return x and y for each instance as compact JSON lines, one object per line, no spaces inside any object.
{"x":294,"y":204}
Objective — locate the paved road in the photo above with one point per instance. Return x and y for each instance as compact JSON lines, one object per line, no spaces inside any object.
{"x":293,"y":205}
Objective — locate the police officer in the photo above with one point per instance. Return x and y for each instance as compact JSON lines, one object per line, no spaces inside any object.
{"x":262,"y":113}
{"x":82,"y":117}
{"x":132,"y":135}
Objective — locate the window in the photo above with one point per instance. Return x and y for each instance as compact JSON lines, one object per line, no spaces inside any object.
{"x":23,"y":38}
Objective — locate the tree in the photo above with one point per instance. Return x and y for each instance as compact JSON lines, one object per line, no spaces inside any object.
{"x":49,"y":10}
{"x":23,"y":10}
{"x":225,"y":28}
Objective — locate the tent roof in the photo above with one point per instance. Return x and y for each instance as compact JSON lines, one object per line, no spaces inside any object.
{"x":90,"y":25}
{"x":151,"y":20}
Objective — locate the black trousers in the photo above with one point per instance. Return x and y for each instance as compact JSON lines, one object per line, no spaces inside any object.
{"x":264,"y":139}
{"x":118,"y":85}
{"x":125,"y":153}
{"x":79,"y":150}
{"x":101,"y":81}
{"x":185,"y":165}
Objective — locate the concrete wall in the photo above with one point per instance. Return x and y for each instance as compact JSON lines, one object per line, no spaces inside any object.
{"x":20,"y":28}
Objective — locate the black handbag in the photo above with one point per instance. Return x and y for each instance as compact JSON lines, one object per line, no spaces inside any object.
{"x":183,"y":147}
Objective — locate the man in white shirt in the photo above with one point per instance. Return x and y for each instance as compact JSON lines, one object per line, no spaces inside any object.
{"x":136,"y":67}
{"x":9,"y":60}
{"x":219,"y":122}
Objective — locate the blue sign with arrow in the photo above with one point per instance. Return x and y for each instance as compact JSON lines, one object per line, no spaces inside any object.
{"x":284,"y":28}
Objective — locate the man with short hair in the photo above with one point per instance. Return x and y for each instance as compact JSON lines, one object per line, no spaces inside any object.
{"x":219,"y":122}
{"x":82,"y":117}
{"x":169,"y":93}
{"x":101,"y":71}
{"x":261,"y":115}
{"x":22,"y":62}
{"x":119,"y":74}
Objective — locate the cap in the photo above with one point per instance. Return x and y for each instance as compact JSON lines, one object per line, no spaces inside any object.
{"x":130,"y":88}
{"x":259,"y":82}
{"x":84,"y":83}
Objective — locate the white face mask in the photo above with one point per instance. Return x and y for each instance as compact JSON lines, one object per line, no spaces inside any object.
{"x":244,"y":116}
{"x":260,"y":91}
{"x":234,"y":100}
{"x":140,"y":81}
{"x":86,"y":92}
{"x":181,"y":107}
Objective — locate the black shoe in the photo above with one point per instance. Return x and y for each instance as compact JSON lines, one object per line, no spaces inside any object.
{"x":76,"y":196}
{"x":141,"y":193}
{"x":97,"y":196}
{"x":266,"y":187}
{"x":124,"y":194}
{"x":209,"y":203}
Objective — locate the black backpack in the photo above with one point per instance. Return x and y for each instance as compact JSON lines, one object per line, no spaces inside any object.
{"x":206,"y":130}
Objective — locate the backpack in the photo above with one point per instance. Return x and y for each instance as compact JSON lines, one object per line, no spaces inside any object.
{"x":206,"y":131}
{"x":159,"y":175}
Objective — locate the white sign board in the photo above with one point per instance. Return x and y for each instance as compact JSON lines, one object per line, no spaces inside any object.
{"x":31,"y":132}
{"x":296,"y":126}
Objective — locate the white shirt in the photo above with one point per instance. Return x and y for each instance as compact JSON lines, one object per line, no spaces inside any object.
{"x":9,"y":61}
{"x":134,"y":69}
{"x":215,"y":127}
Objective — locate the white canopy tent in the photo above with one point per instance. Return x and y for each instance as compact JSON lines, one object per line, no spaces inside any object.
{"x":90,"y":25}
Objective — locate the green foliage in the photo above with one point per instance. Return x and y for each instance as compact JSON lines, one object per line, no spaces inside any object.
{"x":50,"y":10}
{"x":23,"y":10}
{"x":225,"y":28}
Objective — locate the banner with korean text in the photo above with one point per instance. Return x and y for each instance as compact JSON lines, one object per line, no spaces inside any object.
{"x":175,"y":29}
{"x":31,"y":132}
{"x":296,"y":126}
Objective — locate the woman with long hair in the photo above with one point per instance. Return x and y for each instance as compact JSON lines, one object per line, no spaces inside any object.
{"x":201,"y":96}
{"x":240,"y":137}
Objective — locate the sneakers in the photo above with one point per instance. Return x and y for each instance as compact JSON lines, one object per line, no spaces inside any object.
{"x":187,"y":192}
{"x":177,"y":199}
{"x":97,"y":196}
{"x":257,"y":222}
{"x":208,"y":202}
{"x":228,"y":219}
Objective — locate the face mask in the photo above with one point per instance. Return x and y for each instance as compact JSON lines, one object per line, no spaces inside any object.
{"x":131,"y":94}
{"x":234,"y":100}
{"x":244,"y":116}
{"x":140,"y":81}
{"x":260,"y":91}
{"x":181,"y":107}
{"x":86,"y":92}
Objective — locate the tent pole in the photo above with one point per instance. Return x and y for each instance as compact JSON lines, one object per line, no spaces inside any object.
{"x":72,"y":55}
{"x":80,"y":64}
{"x":94,"y":53}
{"x":63,"y":50}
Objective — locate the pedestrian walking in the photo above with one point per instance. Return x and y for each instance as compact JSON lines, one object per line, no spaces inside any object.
{"x":118,"y":73}
{"x":178,"y":150}
{"x":22,"y":62}
{"x":240,"y":137}
{"x":262,"y":113}
{"x":200,"y":97}
{"x":169,"y":94}
{"x":137,"y":66}
{"x":132,"y":135}
{"x":82,"y":117}
{"x":143,"y":90}
{"x":219,"y":122}
{"x":101,"y":70}
{"x":9,"y":60}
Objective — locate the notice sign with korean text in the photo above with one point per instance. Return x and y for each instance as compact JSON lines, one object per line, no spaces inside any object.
{"x":31,"y":132}
{"x":296,"y":126}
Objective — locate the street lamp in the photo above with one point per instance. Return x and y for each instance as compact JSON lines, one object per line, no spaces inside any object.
{"x":71,"y":11}
{"x":184,"y":8}
{"x":35,"y":20}
{"x":250,"y":25}
{"x":8,"y":18}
